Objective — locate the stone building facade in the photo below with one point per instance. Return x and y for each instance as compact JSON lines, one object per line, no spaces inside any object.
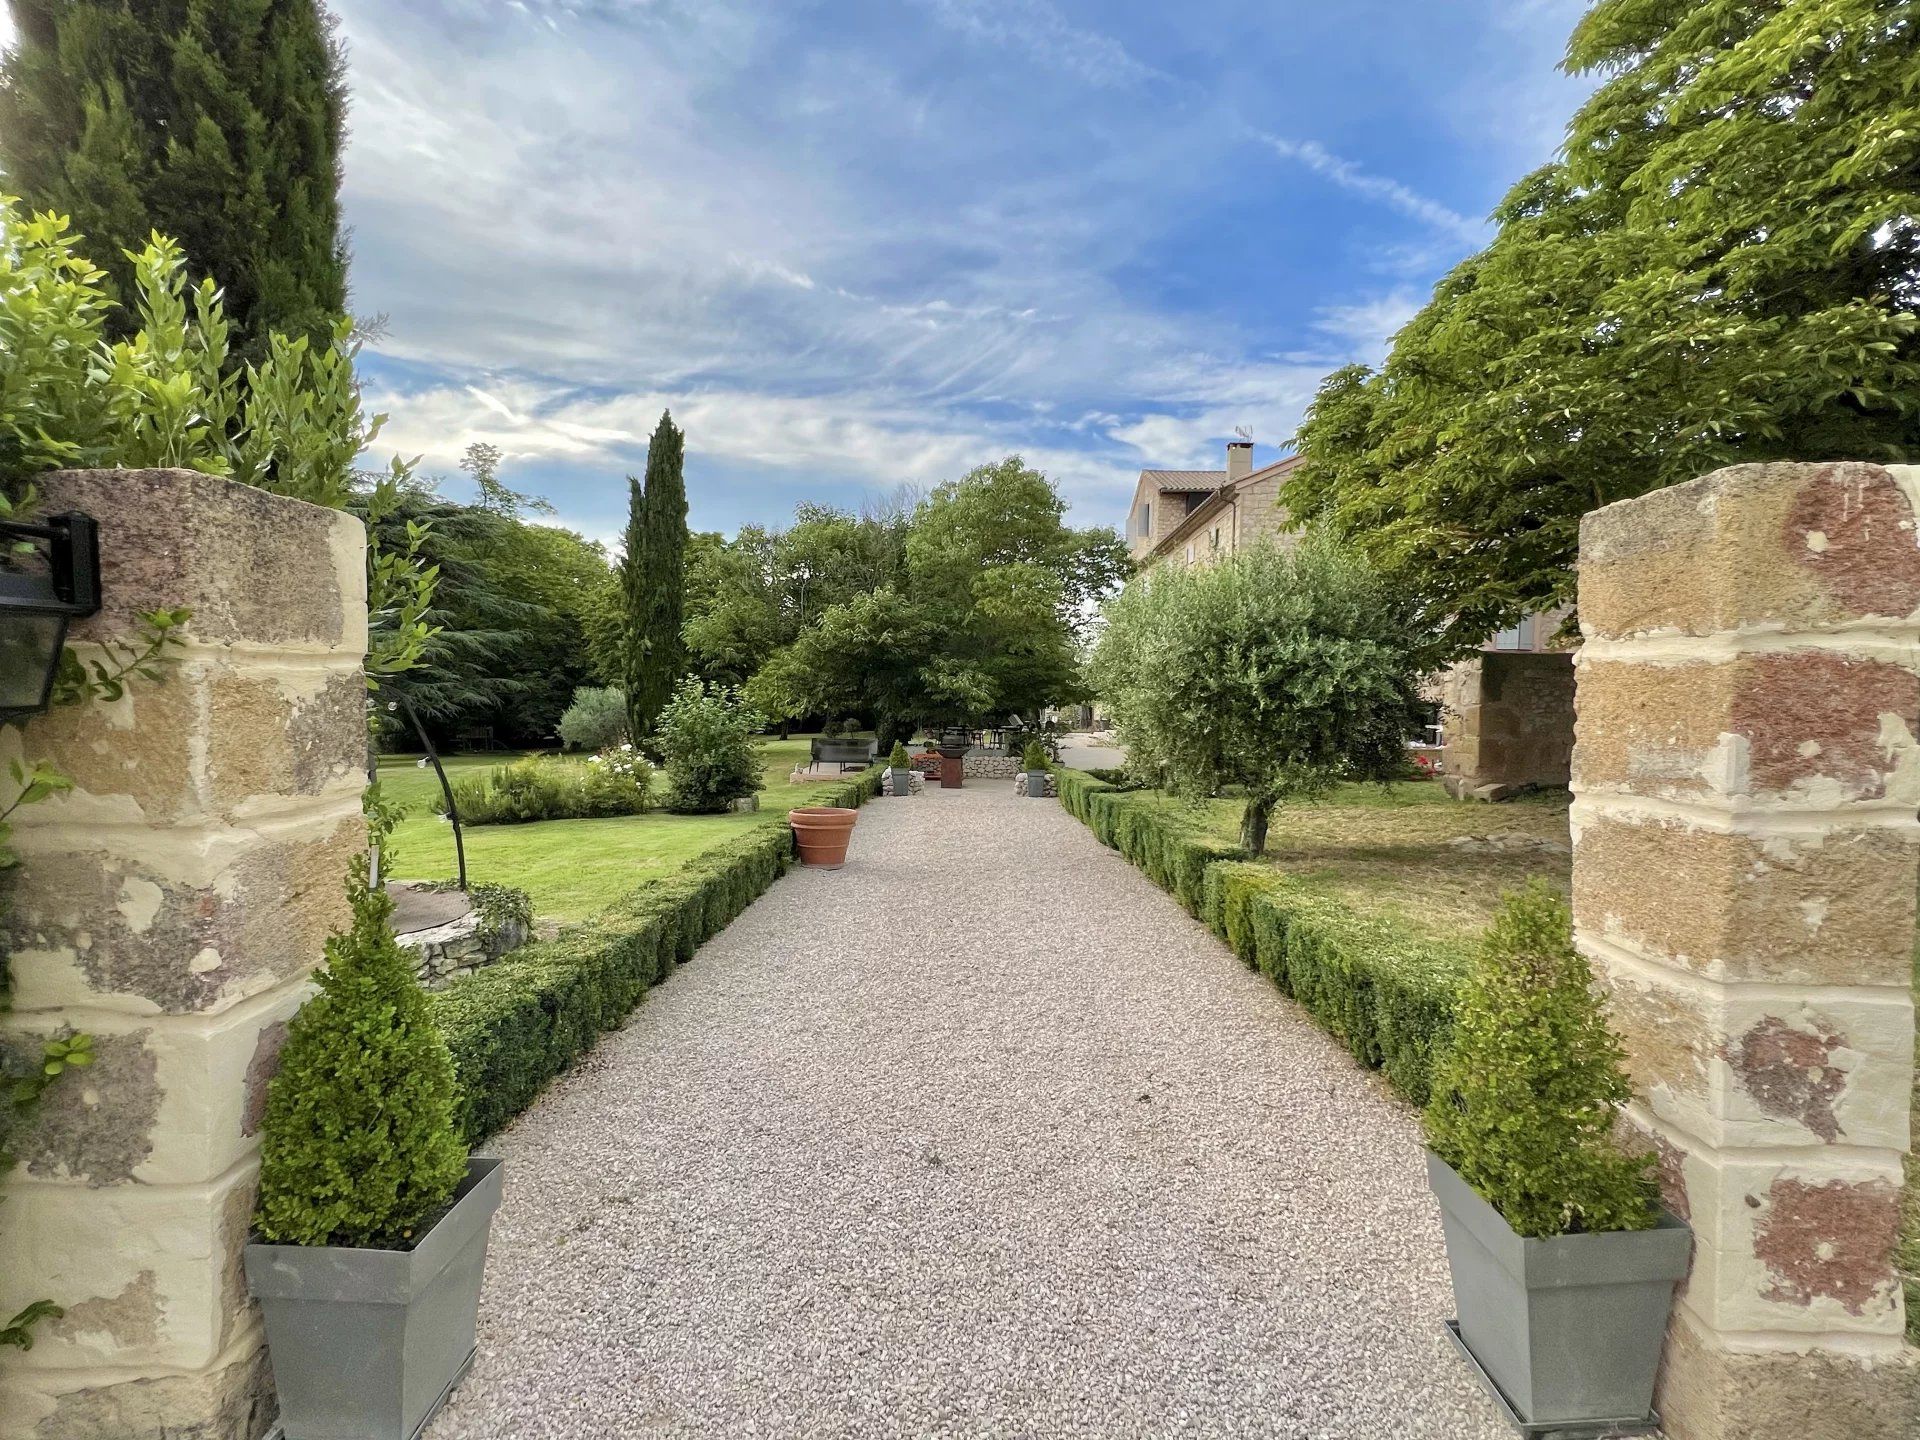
{"x":172,"y":905}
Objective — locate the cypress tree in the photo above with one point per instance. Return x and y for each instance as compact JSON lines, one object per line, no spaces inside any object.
{"x":653,"y":577}
{"x":218,"y":122}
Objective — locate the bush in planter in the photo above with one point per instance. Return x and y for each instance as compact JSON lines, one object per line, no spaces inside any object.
{"x":899,"y":759}
{"x":358,"y":1145}
{"x":1523,"y":1106}
{"x":1035,"y":757}
{"x":596,"y":720}
{"x":706,"y":735}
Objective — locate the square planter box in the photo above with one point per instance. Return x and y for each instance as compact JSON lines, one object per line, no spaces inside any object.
{"x":902,"y":781}
{"x":368,"y":1344}
{"x":1567,"y":1329}
{"x":1037,"y":785}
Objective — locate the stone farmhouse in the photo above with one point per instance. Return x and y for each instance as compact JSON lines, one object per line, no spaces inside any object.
{"x":1502,"y":721}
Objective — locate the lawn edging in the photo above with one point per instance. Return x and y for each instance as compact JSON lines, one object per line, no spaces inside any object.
{"x":519,"y":1022}
{"x":1384,"y":991}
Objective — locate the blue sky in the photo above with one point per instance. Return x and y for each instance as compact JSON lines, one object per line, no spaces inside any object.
{"x":855,"y":243}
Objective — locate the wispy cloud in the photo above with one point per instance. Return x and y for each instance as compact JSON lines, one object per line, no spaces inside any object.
{"x":1043,"y":33}
{"x":1350,"y":176}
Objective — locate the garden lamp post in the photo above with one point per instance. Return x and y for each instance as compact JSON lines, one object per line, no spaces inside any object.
{"x":37,"y":603}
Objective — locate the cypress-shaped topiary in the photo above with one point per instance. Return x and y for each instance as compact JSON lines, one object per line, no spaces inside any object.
{"x":1524,"y":1104}
{"x":218,"y":122}
{"x":653,"y":579}
{"x":898,"y":758}
{"x":359,"y":1146}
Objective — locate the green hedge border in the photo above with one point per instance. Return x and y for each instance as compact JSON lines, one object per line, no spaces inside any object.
{"x":1387,"y":993}
{"x":526,"y":1018}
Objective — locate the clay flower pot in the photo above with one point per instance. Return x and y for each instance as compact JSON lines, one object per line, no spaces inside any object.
{"x":821,"y":832}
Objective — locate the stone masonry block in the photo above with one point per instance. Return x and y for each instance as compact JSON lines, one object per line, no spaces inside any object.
{"x":1811,"y":909}
{"x":1790,"y":546}
{"x":230,"y":1400}
{"x":1709,"y":1388}
{"x":214,"y":737}
{"x":1802,"y":1244}
{"x":169,"y":1099}
{"x":179,"y":920}
{"x":255,"y":568}
{"x":1801,"y":727}
{"x":1742,"y":1066}
{"x":149,"y":1275}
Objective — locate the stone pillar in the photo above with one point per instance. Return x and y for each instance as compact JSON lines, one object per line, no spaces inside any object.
{"x":172,"y":905}
{"x":1509,"y":722}
{"x":1746,"y":854}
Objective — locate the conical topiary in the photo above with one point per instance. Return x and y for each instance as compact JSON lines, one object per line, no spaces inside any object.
{"x":359,"y":1147}
{"x":1524,"y":1104}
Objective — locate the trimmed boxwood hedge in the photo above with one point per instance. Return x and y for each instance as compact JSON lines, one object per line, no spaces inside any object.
{"x":522,"y":1020}
{"x":1387,"y":993}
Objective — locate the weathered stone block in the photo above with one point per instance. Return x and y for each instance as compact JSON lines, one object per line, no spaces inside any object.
{"x":1808,"y":908}
{"x":1802,"y":727}
{"x":255,"y":568}
{"x":150,"y":1275}
{"x":1773,"y":1392}
{"x":1737,"y":1065}
{"x":169,"y":1100}
{"x":1791,"y":546}
{"x":191,"y":918}
{"x":230,"y":1400}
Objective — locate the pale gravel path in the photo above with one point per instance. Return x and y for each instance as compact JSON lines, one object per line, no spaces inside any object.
{"x":981,"y":1135}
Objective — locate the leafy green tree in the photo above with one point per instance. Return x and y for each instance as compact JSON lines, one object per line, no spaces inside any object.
{"x":1723,"y":267}
{"x":1281,"y":671}
{"x":1524,"y":1103}
{"x":218,"y":122}
{"x":706,"y":738}
{"x":653,"y":578}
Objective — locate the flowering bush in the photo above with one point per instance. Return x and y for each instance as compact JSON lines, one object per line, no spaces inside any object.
{"x":706,"y":735}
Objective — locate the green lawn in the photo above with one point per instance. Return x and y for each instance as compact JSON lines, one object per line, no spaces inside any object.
{"x":572,"y":868}
{"x":1386,"y":849}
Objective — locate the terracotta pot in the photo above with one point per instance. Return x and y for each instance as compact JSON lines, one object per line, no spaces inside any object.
{"x":821,"y":832}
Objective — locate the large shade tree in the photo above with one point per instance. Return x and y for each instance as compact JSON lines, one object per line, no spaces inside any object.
{"x":1281,"y":672}
{"x":217,"y":122}
{"x":1724,"y":266}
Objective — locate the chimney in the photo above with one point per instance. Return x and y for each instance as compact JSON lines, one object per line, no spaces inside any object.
{"x":1239,"y":460}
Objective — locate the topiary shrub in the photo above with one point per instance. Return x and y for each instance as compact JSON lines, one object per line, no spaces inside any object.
{"x":706,"y":736}
{"x":1523,"y":1106}
{"x":1035,"y":757}
{"x":596,"y":720}
{"x":898,"y":759}
{"x":830,"y":730}
{"x":358,"y":1145}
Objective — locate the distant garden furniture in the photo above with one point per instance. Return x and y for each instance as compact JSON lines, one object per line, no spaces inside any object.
{"x":847,"y":754}
{"x":954,"y":744}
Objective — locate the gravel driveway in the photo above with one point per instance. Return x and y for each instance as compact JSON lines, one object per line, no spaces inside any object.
{"x":981,"y":1135}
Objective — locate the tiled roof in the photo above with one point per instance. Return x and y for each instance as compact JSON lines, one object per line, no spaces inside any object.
{"x":1185,"y":479}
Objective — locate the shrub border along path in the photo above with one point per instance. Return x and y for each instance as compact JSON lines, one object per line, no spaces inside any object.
{"x":521,"y":1021}
{"x":1387,"y":994}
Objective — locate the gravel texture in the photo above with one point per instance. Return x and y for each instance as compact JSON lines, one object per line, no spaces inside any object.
{"x":980,"y":1135}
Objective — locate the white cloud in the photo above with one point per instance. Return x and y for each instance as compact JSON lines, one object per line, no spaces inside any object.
{"x":1039,"y":29}
{"x":1349,"y":176}
{"x":1366,"y":327}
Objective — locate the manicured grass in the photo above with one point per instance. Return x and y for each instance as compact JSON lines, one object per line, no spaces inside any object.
{"x":1385,"y":850}
{"x":573,"y":869}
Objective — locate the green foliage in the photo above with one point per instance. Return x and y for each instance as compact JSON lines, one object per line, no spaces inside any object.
{"x":1386,"y":993}
{"x":595,"y":720}
{"x":653,"y":579}
{"x":358,"y":1146}
{"x":1035,"y":757}
{"x":523,"y":1020}
{"x":706,"y":735}
{"x":1283,"y":671}
{"x":213,"y":121}
{"x":537,"y":788}
{"x":1524,"y":1105}
{"x":18,"y":1332}
{"x":1724,"y":267}
{"x":897,"y":758}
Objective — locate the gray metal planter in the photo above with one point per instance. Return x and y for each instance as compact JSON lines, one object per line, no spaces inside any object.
{"x":1567,"y":1329}
{"x":902,"y":781}
{"x":1037,"y":784}
{"x":367,"y":1344}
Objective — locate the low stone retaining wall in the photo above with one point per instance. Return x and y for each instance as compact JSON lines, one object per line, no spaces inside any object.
{"x":461,"y":947}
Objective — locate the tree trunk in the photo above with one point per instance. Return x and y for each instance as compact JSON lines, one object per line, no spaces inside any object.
{"x":1253,"y":825}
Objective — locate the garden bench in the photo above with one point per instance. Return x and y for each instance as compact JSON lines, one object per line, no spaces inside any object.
{"x":847,"y":754}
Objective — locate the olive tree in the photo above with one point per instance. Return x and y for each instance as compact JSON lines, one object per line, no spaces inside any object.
{"x":1278,"y":671}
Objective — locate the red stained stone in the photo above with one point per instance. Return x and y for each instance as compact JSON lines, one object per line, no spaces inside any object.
{"x":1870,"y":562}
{"x":1855,"y":1225}
{"x":1790,"y":1075}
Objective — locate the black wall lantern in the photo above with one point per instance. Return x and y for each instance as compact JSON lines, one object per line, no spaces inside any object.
{"x":49,"y":575}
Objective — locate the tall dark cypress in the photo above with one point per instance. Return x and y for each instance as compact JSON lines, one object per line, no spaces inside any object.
{"x":217,"y":122}
{"x":653,"y":577}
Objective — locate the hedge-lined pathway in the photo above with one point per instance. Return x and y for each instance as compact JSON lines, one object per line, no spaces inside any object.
{"x":981,"y":1135}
